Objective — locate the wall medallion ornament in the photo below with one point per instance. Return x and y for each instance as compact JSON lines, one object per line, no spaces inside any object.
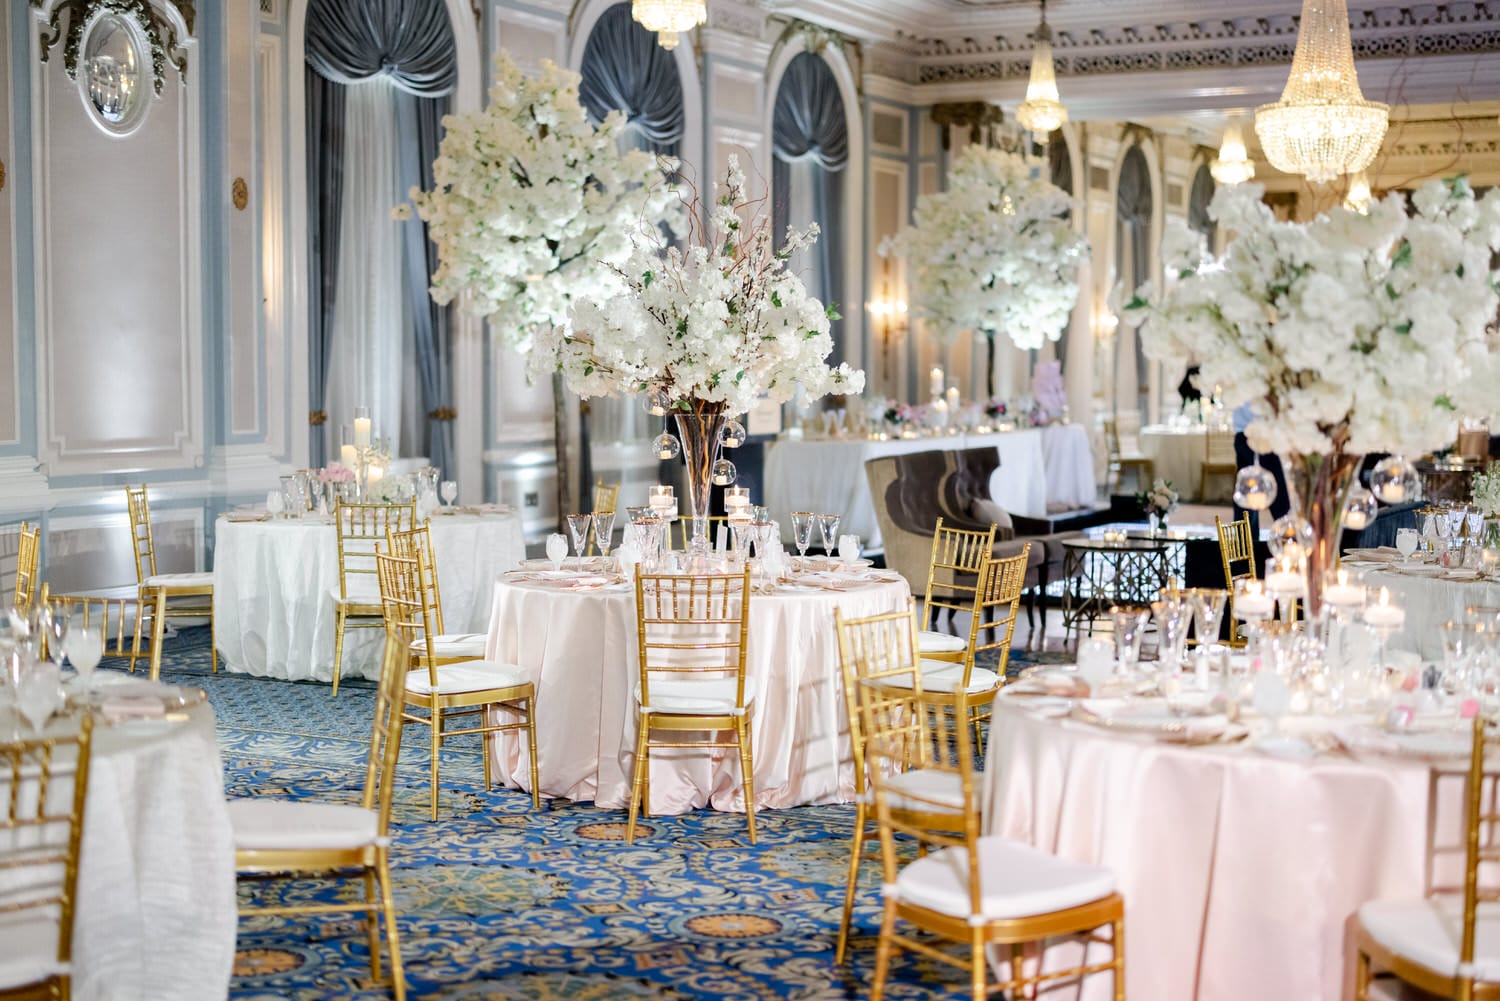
{"x":239,"y":193}
{"x":2,"y":175}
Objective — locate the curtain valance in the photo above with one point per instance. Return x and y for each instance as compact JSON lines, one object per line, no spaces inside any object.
{"x":411,"y":41}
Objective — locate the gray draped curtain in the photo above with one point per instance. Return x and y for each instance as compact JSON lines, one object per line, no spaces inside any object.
{"x":808,"y":126}
{"x":349,"y":41}
{"x":1198,"y":199}
{"x":1132,"y":247}
{"x":625,"y":70}
{"x":1060,"y":173}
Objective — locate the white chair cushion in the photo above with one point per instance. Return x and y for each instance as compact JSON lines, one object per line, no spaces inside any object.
{"x":945,"y":676}
{"x":1429,"y":932}
{"x":695,"y":696}
{"x":1015,"y":881}
{"x":358,"y":595}
{"x":181,"y":580}
{"x":930,"y":641}
{"x":278,"y":825}
{"x":470,"y":645}
{"x":29,"y":955}
{"x":928,"y":783}
{"x":467,"y":676}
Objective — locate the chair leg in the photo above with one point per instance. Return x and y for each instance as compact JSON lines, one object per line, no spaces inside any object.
{"x":372,"y":924}
{"x":855,"y":858}
{"x":977,"y":963}
{"x":437,"y":744}
{"x":213,"y":640}
{"x":536,"y":782}
{"x":1117,"y":942}
{"x":158,"y":633}
{"x":883,"y":950}
{"x":642,"y":769}
{"x":338,"y":649}
{"x":135,"y":647}
{"x":747,"y":771}
{"x":1361,"y":975}
{"x":975,"y":718}
{"x":486,"y":745}
{"x":392,"y":935}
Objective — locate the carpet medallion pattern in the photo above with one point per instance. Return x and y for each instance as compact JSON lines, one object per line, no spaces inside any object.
{"x":498,"y":902}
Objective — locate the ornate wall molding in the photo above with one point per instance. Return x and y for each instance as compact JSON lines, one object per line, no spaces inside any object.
{"x":161,"y":34}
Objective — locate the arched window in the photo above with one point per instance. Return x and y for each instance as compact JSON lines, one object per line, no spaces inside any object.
{"x":1133,"y":206}
{"x":378,"y":80}
{"x":625,"y":70}
{"x":810,"y":142}
{"x":1198,"y":199}
{"x":1060,"y":172}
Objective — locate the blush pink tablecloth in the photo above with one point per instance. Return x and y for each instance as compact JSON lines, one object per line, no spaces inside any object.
{"x":580,"y":648}
{"x":1239,"y":871}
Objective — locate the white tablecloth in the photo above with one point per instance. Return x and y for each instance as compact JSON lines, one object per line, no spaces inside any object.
{"x":1429,"y":602}
{"x":156,"y":901}
{"x":1177,"y":454}
{"x":273,"y":581}
{"x":1239,"y":871}
{"x":828,"y":475}
{"x":580,"y":649}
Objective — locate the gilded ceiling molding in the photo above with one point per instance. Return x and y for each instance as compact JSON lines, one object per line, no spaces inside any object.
{"x":161,"y":36}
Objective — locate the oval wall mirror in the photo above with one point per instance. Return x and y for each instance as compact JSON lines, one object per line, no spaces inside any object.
{"x":115,"y":68}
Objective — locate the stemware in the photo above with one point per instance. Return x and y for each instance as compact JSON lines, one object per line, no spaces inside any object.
{"x":828,"y":528}
{"x":802,"y":526}
{"x":604,"y":527}
{"x":1272,"y":697}
{"x":578,"y":528}
{"x":37,"y":692}
{"x":275,"y":503}
{"x":1208,"y":612}
{"x":1130,"y":625}
{"x":53,"y":626}
{"x":849,"y":550}
{"x":1474,"y":519}
{"x":1463,"y":644}
{"x":1172,"y":620}
{"x":85,"y":650}
{"x":449,"y":490}
{"x":1457,"y":518}
{"x":557,"y":550}
{"x":1406,"y":542}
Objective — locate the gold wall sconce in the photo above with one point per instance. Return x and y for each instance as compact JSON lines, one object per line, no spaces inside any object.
{"x":239,"y":193}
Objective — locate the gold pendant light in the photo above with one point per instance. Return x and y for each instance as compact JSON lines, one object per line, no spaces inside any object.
{"x":1322,"y":127}
{"x":669,"y":18}
{"x":1042,"y":111}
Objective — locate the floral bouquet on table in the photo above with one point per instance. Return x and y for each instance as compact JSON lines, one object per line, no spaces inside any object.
{"x":705,"y":332}
{"x":1486,"y":488}
{"x":1160,"y":501}
{"x":335,"y":472}
{"x":995,"y":409}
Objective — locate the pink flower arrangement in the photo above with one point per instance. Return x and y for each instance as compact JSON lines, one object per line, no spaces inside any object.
{"x":335,"y":472}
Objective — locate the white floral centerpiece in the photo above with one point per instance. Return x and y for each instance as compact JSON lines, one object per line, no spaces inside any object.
{"x":1347,"y":334}
{"x":994,"y":253}
{"x":1486,"y":490}
{"x":704,"y":331}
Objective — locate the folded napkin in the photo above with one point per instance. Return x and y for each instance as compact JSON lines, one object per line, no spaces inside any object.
{"x":1057,"y":683}
{"x":118,"y":708}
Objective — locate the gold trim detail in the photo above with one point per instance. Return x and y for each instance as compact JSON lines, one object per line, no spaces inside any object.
{"x":317,"y":417}
{"x":2,"y":175}
{"x":443,"y":414}
{"x":239,"y":193}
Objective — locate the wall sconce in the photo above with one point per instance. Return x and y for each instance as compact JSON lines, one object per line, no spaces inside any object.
{"x":889,"y":314}
{"x":1104,"y":324}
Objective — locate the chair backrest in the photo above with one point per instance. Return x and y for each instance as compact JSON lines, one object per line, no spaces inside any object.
{"x":958,"y":555}
{"x":416,"y":544}
{"x":873,"y":646}
{"x":606,"y":496}
{"x":114,"y":618}
{"x":692,"y":626}
{"x":1112,"y":439}
{"x":1218,"y":447}
{"x":404,"y":610}
{"x":143,"y":548}
{"x":385,"y":733}
{"x":997,"y":600}
{"x":28,"y":556}
{"x":1236,"y":545}
{"x":41,"y":826}
{"x":362,"y":528}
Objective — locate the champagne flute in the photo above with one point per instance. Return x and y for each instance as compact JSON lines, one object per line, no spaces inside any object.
{"x":449,"y":490}
{"x":557,"y":550}
{"x":85,"y":650}
{"x":578,"y":527}
{"x":802,"y":526}
{"x":828,"y":528}
{"x":604,"y":527}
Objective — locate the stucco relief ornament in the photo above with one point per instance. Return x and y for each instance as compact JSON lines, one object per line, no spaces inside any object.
{"x":161,"y":37}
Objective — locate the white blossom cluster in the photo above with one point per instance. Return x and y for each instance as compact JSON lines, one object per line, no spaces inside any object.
{"x":993,"y":253}
{"x":722,"y":320}
{"x":532,"y":203}
{"x":1486,"y":487}
{"x":1353,"y":333}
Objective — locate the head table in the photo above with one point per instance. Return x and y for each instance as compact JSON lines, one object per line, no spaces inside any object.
{"x":1239,"y":870}
{"x":1430,"y":599}
{"x":274,"y":581}
{"x":579,"y":645}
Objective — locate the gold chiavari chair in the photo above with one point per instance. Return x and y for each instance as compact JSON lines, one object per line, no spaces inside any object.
{"x":28,"y":557}
{"x":972,"y":890}
{"x":952,"y":578}
{"x":454,"y":690}
{"x":1125,"y":453}
{"x":692,"y":632}
{"x":878,"y":648}
{"x":606,"y":496}
{"x":447,"y":648}
{"x":110,"y":616}
{"x":356,"y":603}
{"x":41,"y":832}
{"x":1447,"y":945}
{"x":280,"y":839}
{"x":1218,"y":458}
{"x":175,"y":595}
{"x":1236,"y":545}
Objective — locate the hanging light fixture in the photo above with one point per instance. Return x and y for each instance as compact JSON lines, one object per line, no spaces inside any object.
{"x":1357,"y":198}
{"x":1233,"y":165}
{"x":1322,"y":126}
{"x":669,"y":18}
{"x":1042,"y":111}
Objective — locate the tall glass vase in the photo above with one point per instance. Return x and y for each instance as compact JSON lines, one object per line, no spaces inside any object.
{"x":698,"y":429}
{"x":1317,"y":485}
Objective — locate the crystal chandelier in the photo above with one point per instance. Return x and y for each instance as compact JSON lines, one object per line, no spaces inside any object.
{"x":669,"y":18}
{"x":1322,"y":126}
{"x":1357,"y":198}
{"x":1043,"y":110}
{"x":1232,"y":165}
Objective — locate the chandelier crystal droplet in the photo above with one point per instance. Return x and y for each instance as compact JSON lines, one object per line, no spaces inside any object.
{"x":669,"y":18}
{"x":1042,"y":111}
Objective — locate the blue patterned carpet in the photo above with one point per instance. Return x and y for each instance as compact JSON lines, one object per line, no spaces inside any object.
{"x":498,"y":902}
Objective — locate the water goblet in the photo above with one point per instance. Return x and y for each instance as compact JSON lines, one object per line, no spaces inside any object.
{"x":1271,"y":697}
{"x":802,"y":526}
{"x":1406,"y":542}
{"x":275,"y":503}
{"x":37,"y":692}
{"x":578,"y":528}
{"x":557,"y":550}
{"x":85,"y":650}
{"x":848,"y":550}
{"x":604,"y":527}
{"x":828,"y":528}
{"x":449,"y":490}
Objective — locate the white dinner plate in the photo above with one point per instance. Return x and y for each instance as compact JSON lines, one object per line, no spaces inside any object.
{"x":1419,"y":569}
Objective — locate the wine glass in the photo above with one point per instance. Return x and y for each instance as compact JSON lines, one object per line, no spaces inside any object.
{"x":449,"y":491}
{"x":828,"y":528}
{"x":802,"y":526}
{"x":1208,"y":613}
{"x":557,"y":550}
{"x":1172,"y":618}
{"x":604,"y":527}
{"x":53,"y":625}
{"x":85,"y":650}
{"x":1457,"y":516}
{"x":848,"y":550}
{"x":275,"y":503}
{"x":1474,"y":518}
{"x":1271,"y":697}
{"x":578,"y":528}
{"x":37,"y":692}
{"x":1406,"y":542}
{"x":1130,"y":624}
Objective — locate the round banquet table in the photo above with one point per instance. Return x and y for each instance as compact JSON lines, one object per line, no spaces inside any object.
{"x":1239,"y":870}
{"x":274,"y":581}
{"x":1429,"y":602}
{"x":156,"y":914}
{"x":580,"y":648}
{"x":1177,"y":454}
